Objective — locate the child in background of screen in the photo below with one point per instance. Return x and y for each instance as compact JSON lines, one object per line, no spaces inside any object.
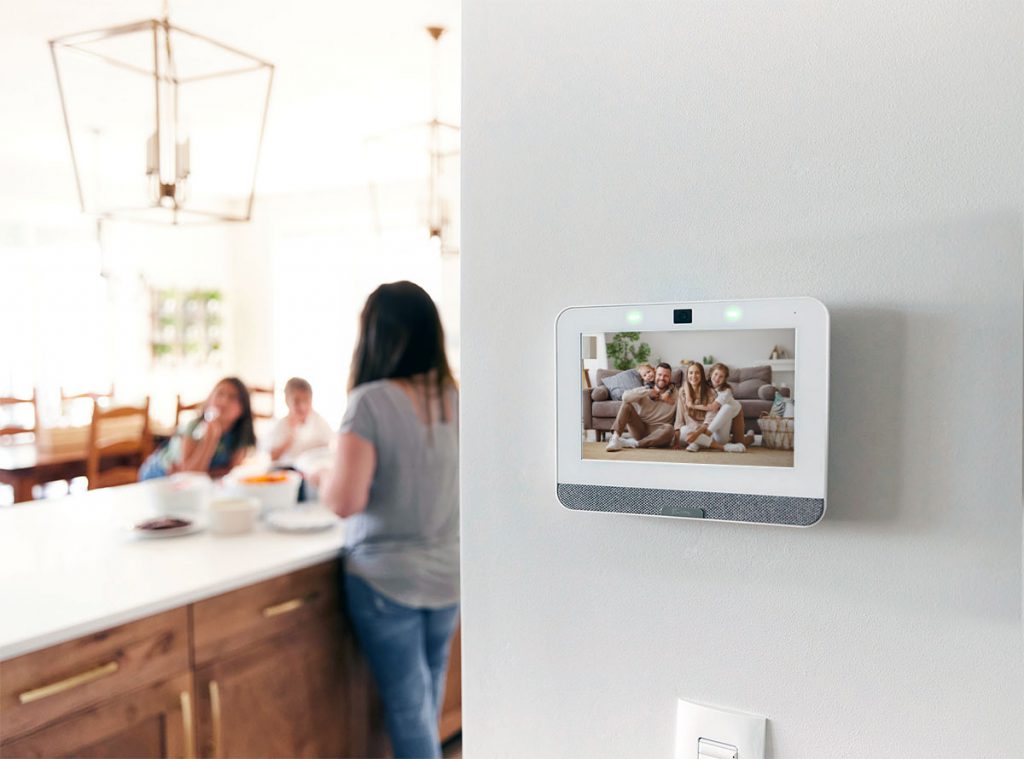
{"x":646,"y":372}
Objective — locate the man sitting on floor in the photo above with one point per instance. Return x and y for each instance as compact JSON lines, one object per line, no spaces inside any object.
{"x":649,"y":413}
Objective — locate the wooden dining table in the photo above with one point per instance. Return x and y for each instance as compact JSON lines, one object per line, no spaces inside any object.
{"x":24,"y":465}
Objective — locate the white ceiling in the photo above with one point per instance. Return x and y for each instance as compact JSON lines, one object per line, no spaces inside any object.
{"x":345,"y":70}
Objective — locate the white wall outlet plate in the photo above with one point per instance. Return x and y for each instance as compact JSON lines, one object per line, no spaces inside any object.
{"x":717,"y":726}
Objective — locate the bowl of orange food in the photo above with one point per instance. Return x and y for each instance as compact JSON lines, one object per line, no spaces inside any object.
{"x":274,"y":490}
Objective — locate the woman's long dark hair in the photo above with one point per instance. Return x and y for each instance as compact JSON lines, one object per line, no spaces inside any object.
{"x":241,"y":435}
{"x":705,"y":387}
{"x":400,"y":336}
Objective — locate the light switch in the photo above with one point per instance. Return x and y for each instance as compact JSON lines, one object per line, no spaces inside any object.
{"x":709,"y":749}
{"x":712,"y":732}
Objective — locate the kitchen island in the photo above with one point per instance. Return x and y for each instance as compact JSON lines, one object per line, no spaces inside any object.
{"x":196,"y":645}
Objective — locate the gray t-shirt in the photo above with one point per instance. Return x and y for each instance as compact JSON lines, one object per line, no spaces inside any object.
{"x":406,"y":543}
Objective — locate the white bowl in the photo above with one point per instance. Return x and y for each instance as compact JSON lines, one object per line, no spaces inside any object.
{"x":272,"y":495}
{"x":233,"y":516}
{"x":182,"y":493}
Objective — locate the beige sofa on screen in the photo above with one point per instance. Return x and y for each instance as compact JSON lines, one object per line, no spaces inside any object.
{"x":752,"y":387}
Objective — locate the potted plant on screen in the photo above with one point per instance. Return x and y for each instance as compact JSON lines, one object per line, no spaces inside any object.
{"x":626,"y":351}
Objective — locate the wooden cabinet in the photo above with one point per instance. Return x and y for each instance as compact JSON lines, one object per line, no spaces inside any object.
{"x":156,"y":721}
{"x":271,"y":669}
{"x":43,"y":686}
{"x":277,"y":673}
{"x":284,"y":697}
{"x":233,"y":621}
{"x":450,"y":722}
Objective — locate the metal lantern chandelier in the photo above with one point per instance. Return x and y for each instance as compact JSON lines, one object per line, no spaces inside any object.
{"x":165,"y":125}
{"x":438,"y":211}
{"x":425,"y":150}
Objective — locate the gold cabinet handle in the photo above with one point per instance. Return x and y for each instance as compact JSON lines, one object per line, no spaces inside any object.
{"x":284,"y":608}
{"x":215,"y":715}
{"x":186,"y":723}
{"x":83,"y":678}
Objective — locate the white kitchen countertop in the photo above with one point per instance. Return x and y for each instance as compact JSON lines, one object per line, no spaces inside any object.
{"x":72,"y":566}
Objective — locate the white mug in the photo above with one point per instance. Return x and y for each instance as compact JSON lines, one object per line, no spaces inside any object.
{"x":233,"y":515}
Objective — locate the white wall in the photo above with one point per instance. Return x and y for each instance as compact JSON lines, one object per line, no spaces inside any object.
{"x":737,"y":348}
{"x":86,"y":307}
{"x":866,"y":153}
{"x":293,"y":281}
{"x":301,"y":272}
{"x":141,"y":257}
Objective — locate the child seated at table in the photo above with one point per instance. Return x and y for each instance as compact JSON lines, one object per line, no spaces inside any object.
{"x":302,"y":429}
{"x":215,"y":442}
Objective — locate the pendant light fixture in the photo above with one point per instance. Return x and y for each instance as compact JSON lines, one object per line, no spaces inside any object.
{"x":438,"y":141}
{"x":165,"y":125}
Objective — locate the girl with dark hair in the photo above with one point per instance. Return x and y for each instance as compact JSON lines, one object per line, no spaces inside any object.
{"x":396,"y":476}
{"x":214,"y":443}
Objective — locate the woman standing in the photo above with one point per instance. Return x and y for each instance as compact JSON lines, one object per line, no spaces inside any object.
{"x":396,"y":476}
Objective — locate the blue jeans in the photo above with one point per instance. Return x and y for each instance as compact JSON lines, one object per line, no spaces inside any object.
{"x":407,"y":648}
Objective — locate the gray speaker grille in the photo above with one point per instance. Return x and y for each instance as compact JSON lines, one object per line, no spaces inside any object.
{"x":734,"y":507}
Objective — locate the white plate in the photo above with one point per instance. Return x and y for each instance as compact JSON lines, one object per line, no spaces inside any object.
{"x":302,"y":519}
{"x":173,"y":532}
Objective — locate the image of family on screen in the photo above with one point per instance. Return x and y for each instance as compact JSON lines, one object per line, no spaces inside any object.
{"x":706,"y":411}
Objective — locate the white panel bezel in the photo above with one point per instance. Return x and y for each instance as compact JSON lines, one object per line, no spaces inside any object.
{"x":805,"y":479}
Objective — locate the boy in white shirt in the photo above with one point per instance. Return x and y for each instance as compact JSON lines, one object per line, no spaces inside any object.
{"x":302,"y":430}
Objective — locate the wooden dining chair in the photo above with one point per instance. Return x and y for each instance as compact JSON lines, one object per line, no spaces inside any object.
{"x":93,"y":396}
{"x":182,"y":407}
{"x":119,"y":441}
{"x":76,"y":406}
{"x":263,"y":410}
{"x":20,"y":429}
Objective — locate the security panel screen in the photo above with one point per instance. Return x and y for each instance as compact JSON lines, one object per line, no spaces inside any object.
{"x":725,"y":397}
{"x":689,"y":409}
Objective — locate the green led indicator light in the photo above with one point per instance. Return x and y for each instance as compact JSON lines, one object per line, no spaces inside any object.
{"x":733,"y":314}
{"x":634,"y":317}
